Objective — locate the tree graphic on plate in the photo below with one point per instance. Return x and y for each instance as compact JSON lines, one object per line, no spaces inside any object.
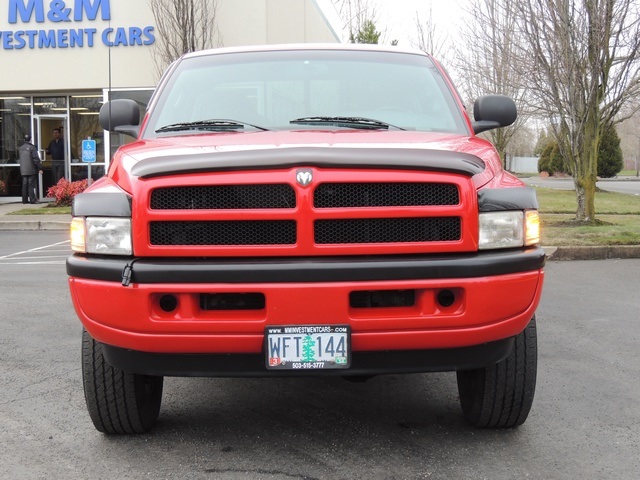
{"x":308,"y":346}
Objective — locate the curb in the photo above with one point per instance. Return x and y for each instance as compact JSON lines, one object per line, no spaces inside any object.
{"x":34,"y":225}
{"x":593,"y":253}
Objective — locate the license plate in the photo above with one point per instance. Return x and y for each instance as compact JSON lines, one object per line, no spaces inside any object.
{"x":307,"y":347}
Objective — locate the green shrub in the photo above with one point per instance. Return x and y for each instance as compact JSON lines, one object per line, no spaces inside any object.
{"x":544,"y":162}
{"x":551,"y":160}
{"x":610,"y":161}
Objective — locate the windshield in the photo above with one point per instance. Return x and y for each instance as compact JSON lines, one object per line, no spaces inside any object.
{"x":305,"y":89}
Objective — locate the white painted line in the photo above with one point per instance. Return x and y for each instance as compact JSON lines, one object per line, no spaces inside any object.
{"x":33,"y":250}
{"x":35,"y":258}
{"x":32,"y":263}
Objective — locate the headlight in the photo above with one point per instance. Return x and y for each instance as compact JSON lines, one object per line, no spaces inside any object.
{"x":101,"y":235}
{"x":508,"y":229}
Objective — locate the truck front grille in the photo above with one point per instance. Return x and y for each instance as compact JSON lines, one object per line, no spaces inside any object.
{"x":387,"y":230}
{"x":271,"y":214}
{"x":354,"y":195}
{"x":235,"y":232}
{"x":224,"y":197}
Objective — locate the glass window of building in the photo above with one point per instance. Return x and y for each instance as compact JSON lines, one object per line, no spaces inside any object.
{"x":15,"y":123}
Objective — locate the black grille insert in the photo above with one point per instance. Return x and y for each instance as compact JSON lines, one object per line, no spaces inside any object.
{"x":225,"y":232}
{"x":232,"y":301}
{"x":337,"y":195}
{"x":387,"y":230}
{"x":382,"y":298}
{"x":224,"y":197}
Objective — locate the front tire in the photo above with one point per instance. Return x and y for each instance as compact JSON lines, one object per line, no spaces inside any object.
{"x":118,"y":402}
{"x":501,"y":395}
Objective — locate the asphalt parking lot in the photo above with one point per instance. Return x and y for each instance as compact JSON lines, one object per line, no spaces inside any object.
{"x":585,"y":421}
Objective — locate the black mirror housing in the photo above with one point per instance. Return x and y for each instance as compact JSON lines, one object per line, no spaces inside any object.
{"x":121,"y":116}
{"x":493,"y":111}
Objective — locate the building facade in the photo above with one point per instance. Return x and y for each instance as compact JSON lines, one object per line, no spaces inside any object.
{"x":60,"y":61}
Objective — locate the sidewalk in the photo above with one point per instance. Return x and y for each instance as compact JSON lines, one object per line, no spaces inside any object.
{"x":30,"y":222}
{"x":61,"y":222}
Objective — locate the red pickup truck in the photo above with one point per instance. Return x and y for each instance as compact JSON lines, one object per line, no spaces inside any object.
{"x":306,"y":210}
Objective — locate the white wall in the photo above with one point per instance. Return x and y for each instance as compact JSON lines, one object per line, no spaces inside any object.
{"x":524,"y":165}
{"x":79,"y":67}
{"x":258,"y":22}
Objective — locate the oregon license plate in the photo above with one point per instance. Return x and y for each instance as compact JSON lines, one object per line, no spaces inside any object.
{"x":307,"y":347}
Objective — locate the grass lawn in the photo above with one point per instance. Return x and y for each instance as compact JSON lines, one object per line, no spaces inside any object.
{"x":44,"y":210}
{"x":558,"y":231}
{"x":564,"y":201}
{"x":619,"y":214}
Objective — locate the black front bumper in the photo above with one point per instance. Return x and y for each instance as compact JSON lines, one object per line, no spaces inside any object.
{"x":362,"y":363}
{"x":316,"y":269}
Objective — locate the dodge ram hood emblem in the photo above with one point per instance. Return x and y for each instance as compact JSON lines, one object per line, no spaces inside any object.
{"x":304,"y":177}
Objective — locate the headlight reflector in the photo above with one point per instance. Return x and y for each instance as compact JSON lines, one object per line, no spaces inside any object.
{"x":101,"y":235}
{"x":501,"y":230}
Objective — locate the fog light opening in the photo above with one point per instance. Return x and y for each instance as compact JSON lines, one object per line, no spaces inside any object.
{"x":446,"y":298}
{"x":168,"y":303}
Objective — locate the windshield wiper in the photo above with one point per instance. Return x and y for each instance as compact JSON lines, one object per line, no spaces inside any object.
{"x":209,"y":125}
{"x":349,"y":122}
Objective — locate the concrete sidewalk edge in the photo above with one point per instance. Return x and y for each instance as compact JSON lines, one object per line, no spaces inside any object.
{"x":593,"y":253}
{"x":34,"y":225}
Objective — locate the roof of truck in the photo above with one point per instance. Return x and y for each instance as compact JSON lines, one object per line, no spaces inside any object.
{"x":306,"y":46}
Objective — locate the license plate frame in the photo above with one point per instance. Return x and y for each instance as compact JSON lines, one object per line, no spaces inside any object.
{"x":307,"y":347}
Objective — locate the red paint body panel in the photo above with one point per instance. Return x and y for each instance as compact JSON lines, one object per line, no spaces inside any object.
{"x":131,"y":317}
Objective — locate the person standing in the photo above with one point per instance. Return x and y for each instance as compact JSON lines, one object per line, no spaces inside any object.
{"x":30,"y":165}
{"x":56,"y":150}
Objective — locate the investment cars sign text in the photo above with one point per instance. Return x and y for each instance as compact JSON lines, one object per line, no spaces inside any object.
{"x":61,"y":16}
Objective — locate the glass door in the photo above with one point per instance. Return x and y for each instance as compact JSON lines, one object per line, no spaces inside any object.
{"x":52,"y":141}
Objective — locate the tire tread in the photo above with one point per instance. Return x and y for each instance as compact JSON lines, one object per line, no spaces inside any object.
{"x":116,"y":400}
{"x":501,"y":395}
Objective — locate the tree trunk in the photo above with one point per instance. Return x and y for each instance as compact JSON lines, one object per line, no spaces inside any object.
{"x":500,"y":142}
{"x":586,"y":171}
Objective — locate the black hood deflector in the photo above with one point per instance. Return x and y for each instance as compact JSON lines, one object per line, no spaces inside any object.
{"x":329,"y":157}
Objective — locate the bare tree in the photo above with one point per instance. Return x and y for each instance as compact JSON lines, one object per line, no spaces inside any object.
{"x":584,"y":68}
{"x":183,"y":26}
{"x":485,"y":61}
{"x":357,"y":15}
{"x":429,"y":39}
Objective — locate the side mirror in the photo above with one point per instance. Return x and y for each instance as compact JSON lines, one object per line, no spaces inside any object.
{"x":493,"y":111}
{"x":121,"y":116}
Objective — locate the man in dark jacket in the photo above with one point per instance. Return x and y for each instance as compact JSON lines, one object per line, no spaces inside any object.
{"x":56,"y":150}
{"x":30,"y":165}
